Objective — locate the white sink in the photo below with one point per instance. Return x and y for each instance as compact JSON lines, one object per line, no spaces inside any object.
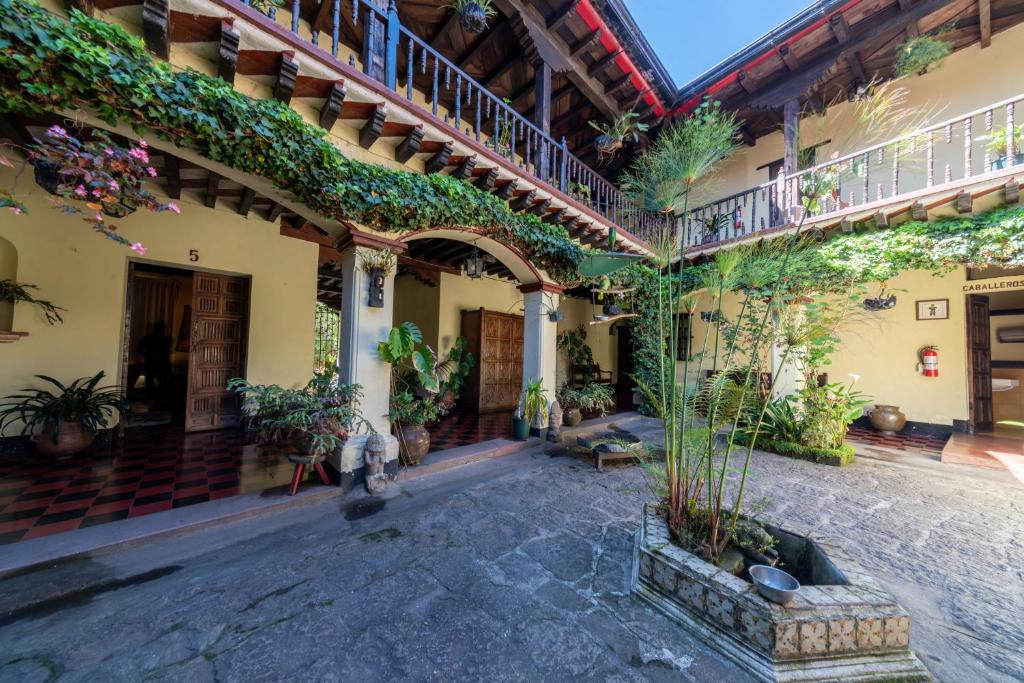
{"x":1004,"y":384}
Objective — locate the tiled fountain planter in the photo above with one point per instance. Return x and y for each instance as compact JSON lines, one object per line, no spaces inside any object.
{"x":851,"y":630}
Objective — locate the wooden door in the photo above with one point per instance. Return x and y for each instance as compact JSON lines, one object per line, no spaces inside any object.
{"x":220,"y":306}
{"x":979,"y":358}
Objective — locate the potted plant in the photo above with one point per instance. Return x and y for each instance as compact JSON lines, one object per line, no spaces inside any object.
{"x":532,"y":409}
{"x":921,"y":54}
{"x":997,"y":146}
{"x":108,"y":179}
{"x":65,"y":420}
{"x":377,"y":264}
{"x":592,"y":398}
{"x":473,"y":14}
{"x":613,"y":135}
{"x":419,"y":384}
{"x":11,"y":292}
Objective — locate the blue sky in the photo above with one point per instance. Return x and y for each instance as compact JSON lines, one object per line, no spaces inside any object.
{"x":691,"y":36}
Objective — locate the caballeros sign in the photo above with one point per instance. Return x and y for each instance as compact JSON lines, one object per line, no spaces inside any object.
{"x":994,"y":285}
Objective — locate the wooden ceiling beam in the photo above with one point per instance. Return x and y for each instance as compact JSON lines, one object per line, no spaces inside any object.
{"x":585,"y":44}
{"x":501,"y":70}
{"x":556,"y":97}
{"x":172,"y":169}
{"x":561,"y":57}
{"x":245,"y":203}
{"x":790,"y":59}
{"x":604,"y":62}
{"x":410,"y":145}
{"x":287,"y":72}
{"x":985,"y":22}
{"x":446,"y":28}
{"x":212,"y":185}
{"x":374,"y":126}
{"x":482,"y":42}
{"x":227,"y":53}
{"x":559,"y":18}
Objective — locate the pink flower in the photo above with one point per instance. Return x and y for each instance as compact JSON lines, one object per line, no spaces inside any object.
{"x":16,"y":210}
{"x":57,"y":132}
{"x":140,"y":154}
{"x":142,"y":144}
{"x":151,"y":171}
{"x":172,"y":207}
{"x":109,"y":152}
{"x":138,"y":248}
{"x":97,"y":192}
{"x":98,"y":217}
{"x":113,"y":186}
{"x":80,"y":191}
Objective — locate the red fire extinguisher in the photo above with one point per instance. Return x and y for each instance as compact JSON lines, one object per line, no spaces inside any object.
{"x":929,"y":366}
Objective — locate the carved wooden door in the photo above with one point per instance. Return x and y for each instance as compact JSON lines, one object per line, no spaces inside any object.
{"x":979,"y":356}
{"x":220,"y":306}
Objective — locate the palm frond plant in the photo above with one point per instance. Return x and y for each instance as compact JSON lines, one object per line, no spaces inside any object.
{"x":533,"y":404}
{"x":75,"y":411}
{"x":13,"y":292}
{"x":613,"y":136}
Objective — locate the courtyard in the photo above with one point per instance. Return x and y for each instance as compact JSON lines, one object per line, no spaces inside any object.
{"x":511,"y":569}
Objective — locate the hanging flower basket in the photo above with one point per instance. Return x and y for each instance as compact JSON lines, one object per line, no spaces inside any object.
{"x":606,"y":144}
{"x":47,"y":175}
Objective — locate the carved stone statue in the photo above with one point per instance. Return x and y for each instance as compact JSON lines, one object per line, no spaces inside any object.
{"x":374,"y":454}
{"x":554,"y":421}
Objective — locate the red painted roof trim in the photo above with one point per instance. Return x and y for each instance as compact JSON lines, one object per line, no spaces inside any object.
{"x":692,"y":103}
{"x":610,"y":43}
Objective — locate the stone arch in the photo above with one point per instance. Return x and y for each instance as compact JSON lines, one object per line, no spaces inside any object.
{"x":8,"y":271}
{"x":510,"y":256}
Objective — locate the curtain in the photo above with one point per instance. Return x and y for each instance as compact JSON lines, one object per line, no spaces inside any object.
{"x":153,"y":302}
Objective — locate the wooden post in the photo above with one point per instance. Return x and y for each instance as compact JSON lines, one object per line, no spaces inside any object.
{"x":542,"y":113}
{"x":791,"y":134}
{"x":391,"y":48}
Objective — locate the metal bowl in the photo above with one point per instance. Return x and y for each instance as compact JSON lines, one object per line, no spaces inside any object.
{"x":774,"y":584}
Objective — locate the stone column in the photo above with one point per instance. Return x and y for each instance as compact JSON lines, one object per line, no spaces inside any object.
{"x":362,"y":327}
{"x":540,"y":335}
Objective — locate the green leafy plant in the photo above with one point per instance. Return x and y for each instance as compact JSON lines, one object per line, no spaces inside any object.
{"x":412,"y":411}
{"x":318,"y":418}
{"x":591,"y":398}
{"x":454,"y":371}
{"x":45,"y":410}
{"x":574,"y":344}
{"x":827,"y":413}
{"x":264,"y":6}
{"x":533,"y":403}
{"x":921,"y":54}
{"x":997,"y":140}
{"x":12,"y":292}
{"x":50,"y":64}
{"x":615,"y":134}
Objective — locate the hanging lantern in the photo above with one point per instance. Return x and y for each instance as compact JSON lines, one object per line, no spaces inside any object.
{"x":474,"y":265}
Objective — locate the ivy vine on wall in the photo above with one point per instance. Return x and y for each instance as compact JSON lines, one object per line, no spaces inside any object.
{"x":49,"y":64}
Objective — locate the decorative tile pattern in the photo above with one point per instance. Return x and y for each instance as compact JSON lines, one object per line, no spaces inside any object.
{"x":787,"y":639}
{"x":842,"y":635}
{"x":465,"y":428}
{"x":755,"y":627}
{"x":869,"y":633}
{"x":690,"y":593}
{"x":897,"y":631}
{"x":152,"y":469}
{"x":720,"y":608}
{"x":813,"y":637}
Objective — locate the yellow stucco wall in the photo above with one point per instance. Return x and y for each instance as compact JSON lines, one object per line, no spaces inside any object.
{"x":418,"y":303}
{"x":458,"y":293}
{"x":970,"y":79}
{"x":86,"y":274}
{"x":579,"y":312}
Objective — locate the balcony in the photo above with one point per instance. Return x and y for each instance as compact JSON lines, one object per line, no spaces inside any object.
{"x":952,"y":163}
{"x":360,"y":35}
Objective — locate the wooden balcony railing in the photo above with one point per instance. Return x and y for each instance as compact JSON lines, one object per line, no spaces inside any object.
{"x":960,"y":151}
{"x":409,"y":66}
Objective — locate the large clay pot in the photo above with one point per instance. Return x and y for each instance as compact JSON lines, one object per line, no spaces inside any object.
{"x":413,"y":444}
{"x":72,"y":437}
{"x":572,"y":417}
{"x":887,"y":419}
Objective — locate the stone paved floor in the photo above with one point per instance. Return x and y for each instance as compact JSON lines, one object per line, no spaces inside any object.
{"x":508,"y":570}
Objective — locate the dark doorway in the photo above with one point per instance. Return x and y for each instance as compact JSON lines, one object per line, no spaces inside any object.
{"x":185,"y":335}
{"x":625,"y":367}
{"x":979,"y":359}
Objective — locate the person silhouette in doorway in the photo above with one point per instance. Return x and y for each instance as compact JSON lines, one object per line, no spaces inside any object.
{"x":156,"y":355}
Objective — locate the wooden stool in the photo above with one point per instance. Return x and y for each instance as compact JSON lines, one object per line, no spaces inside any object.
{"x":301,"y":463}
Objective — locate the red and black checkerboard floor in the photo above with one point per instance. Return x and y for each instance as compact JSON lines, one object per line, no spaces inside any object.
{"x":154,"y":469}
{"x":903,"y":442}
{"x":463,"y":428}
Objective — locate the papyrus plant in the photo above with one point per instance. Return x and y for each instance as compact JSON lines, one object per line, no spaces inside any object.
{"x":699,"y":448}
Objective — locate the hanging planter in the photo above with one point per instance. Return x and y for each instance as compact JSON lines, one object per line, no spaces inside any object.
{"x":880,"y":302}
{"x":613,"y":135}
{"x":556,"y":316}
{"x":474,"y":14}
{"x":377,"y":264}
{"x":47,"y":175}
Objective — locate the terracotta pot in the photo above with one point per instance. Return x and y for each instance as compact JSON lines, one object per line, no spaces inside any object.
{"x":887,"y":419}
{"x":572,"y":417}
{"x":413,"y":444}
{"x":72,"y":437}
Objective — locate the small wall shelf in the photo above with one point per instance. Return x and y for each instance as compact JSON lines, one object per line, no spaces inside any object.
{"x":613,"y":318}
{"x":8,"y":337}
